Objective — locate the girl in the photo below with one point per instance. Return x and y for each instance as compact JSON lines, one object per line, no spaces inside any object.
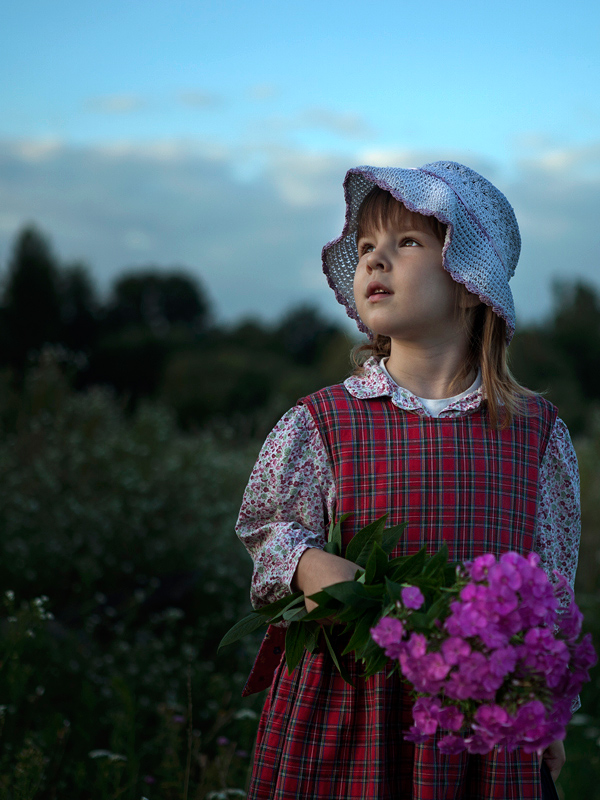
{"x":432,"y":429}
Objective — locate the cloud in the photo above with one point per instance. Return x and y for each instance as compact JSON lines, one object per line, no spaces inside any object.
{"x":346,"y":125}
{"x":116,"y":104}
{"x":350,"y":125}
{"x":175,"y":204}
{"x":254,"y":236}
{"x":556,"y":196}
{"x":200,"y":99}
{"x":263,"y":91}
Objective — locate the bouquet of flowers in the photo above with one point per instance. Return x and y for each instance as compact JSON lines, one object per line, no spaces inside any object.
{"x":502,"y":665}
{"x":491,"y":659}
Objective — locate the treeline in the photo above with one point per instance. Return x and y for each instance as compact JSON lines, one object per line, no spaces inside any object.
{"x":154,"y":337}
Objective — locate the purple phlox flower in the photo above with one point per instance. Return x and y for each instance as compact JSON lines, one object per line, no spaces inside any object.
{"x":149,"y":779}
{"x":178,"y":718}
{"x":463,"y":683}
{"x":505,"y":573}
{"x":451,"y":745}
{"x":430,"y":672}
{"x":241,"y":753}
{"x":479,"y":567}
{"x":417,"y":645}
{"x":413,"y":734}
{"x":561,"y":710}
{"x":425,"y":711}
{"x":388,"y":631}
{"x":411,"y":656}
{"x":412,"y":597}
{"x":503,"y":660}
{"x":530,"y":717}
{"x":542,"y":653}
{"x":454,"y":649}
{"x":539,"y":739}
{"x":584,"y":655}
{"x":493,"y":637}
{"x":502,"y":600}
{"x":570,"y":620}
{"x":572,"y":683}
{"x":451,"y":718}
{"x":562,"y":585}
{"x":492,"y":719}
{"x":472,"y":679}
{"x":478,"y":744}
{"x":222,"y":741}
{"x":466,"y":619}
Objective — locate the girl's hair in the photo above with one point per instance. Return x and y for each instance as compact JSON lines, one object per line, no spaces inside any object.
{"x":485,"y":329}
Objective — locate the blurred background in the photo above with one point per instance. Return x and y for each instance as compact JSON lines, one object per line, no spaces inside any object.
{"x":169,"y":172}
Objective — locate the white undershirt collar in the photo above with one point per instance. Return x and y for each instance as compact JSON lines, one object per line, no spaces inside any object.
{"x":434,"y":407}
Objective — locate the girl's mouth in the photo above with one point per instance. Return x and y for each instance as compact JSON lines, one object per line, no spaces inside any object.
{"x":377,"y":291}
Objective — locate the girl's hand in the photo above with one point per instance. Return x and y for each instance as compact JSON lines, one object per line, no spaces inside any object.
{"x":554,"y":756}
{"x":318,"y":569}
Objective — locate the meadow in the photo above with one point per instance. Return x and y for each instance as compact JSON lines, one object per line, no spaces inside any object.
{"x":120,"y":571}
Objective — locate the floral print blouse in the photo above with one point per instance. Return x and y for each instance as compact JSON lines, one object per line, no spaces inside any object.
{"x":291,"y":491}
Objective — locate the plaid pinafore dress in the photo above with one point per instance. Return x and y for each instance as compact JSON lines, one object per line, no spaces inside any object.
{"x":457,"y":481}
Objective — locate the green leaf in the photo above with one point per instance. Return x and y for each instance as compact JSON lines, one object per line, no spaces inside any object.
{"x":297,"y":602}
{"x":293,"y":614}
{"x":391,"y":537}
{"x":377,"y":663}
{"x":437,"y":609}
{"x":278,"y":605}
{"x":242,"y":628}
{"x":361,"y":634}
{"x":412,"y":566}
{"x":393,"y":589}
{"x":376,"y":564}
{"x":437,"y":561}
{"x":311,"y":638}
{"x":450,"y":573}
{"x":294,"y":645}
{"x":359,"y":546}
{"x":349,"y":614}
{"x":321,"y":612}
{"x":420,"y":621}
{"x":334,"y":540}
{"x":341,"y":669}
{"x":355,"y":594}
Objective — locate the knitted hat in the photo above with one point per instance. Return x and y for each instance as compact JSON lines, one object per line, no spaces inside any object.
{"x":482,"y":243}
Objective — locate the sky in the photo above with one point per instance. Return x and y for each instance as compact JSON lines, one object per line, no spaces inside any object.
{"x":214,"y":136}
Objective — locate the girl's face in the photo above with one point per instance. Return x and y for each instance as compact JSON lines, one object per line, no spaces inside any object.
{"x":400,"y":286}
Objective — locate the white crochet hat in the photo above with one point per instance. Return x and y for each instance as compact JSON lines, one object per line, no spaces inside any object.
{"x":482,"y":239}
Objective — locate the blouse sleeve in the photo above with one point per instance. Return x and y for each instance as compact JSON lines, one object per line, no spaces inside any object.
{"x":558,"y":527}
{"x":559,"y":516}
{"x":286,"y":505}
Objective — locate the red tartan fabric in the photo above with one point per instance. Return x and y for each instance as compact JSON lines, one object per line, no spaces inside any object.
{"x":455,"y":480}
{"x":319,"y":738}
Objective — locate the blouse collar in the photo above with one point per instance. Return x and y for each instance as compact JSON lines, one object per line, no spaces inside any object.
{"x":375,"y":382}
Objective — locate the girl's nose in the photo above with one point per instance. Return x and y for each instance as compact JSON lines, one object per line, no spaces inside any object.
{"x":376,"y":260}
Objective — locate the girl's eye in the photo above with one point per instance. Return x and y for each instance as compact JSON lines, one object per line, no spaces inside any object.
{"x":365,"y":247}
{"x":409,"y":243}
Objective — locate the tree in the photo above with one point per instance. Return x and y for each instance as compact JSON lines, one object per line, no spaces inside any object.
{"x":304,"y":334}
{"x":576,"y":333}
{"x":79,"y":307}
{"x":32,"y":309}
{"x":157,"y":301}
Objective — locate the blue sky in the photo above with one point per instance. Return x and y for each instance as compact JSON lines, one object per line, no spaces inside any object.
{"x":215,"y":135}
